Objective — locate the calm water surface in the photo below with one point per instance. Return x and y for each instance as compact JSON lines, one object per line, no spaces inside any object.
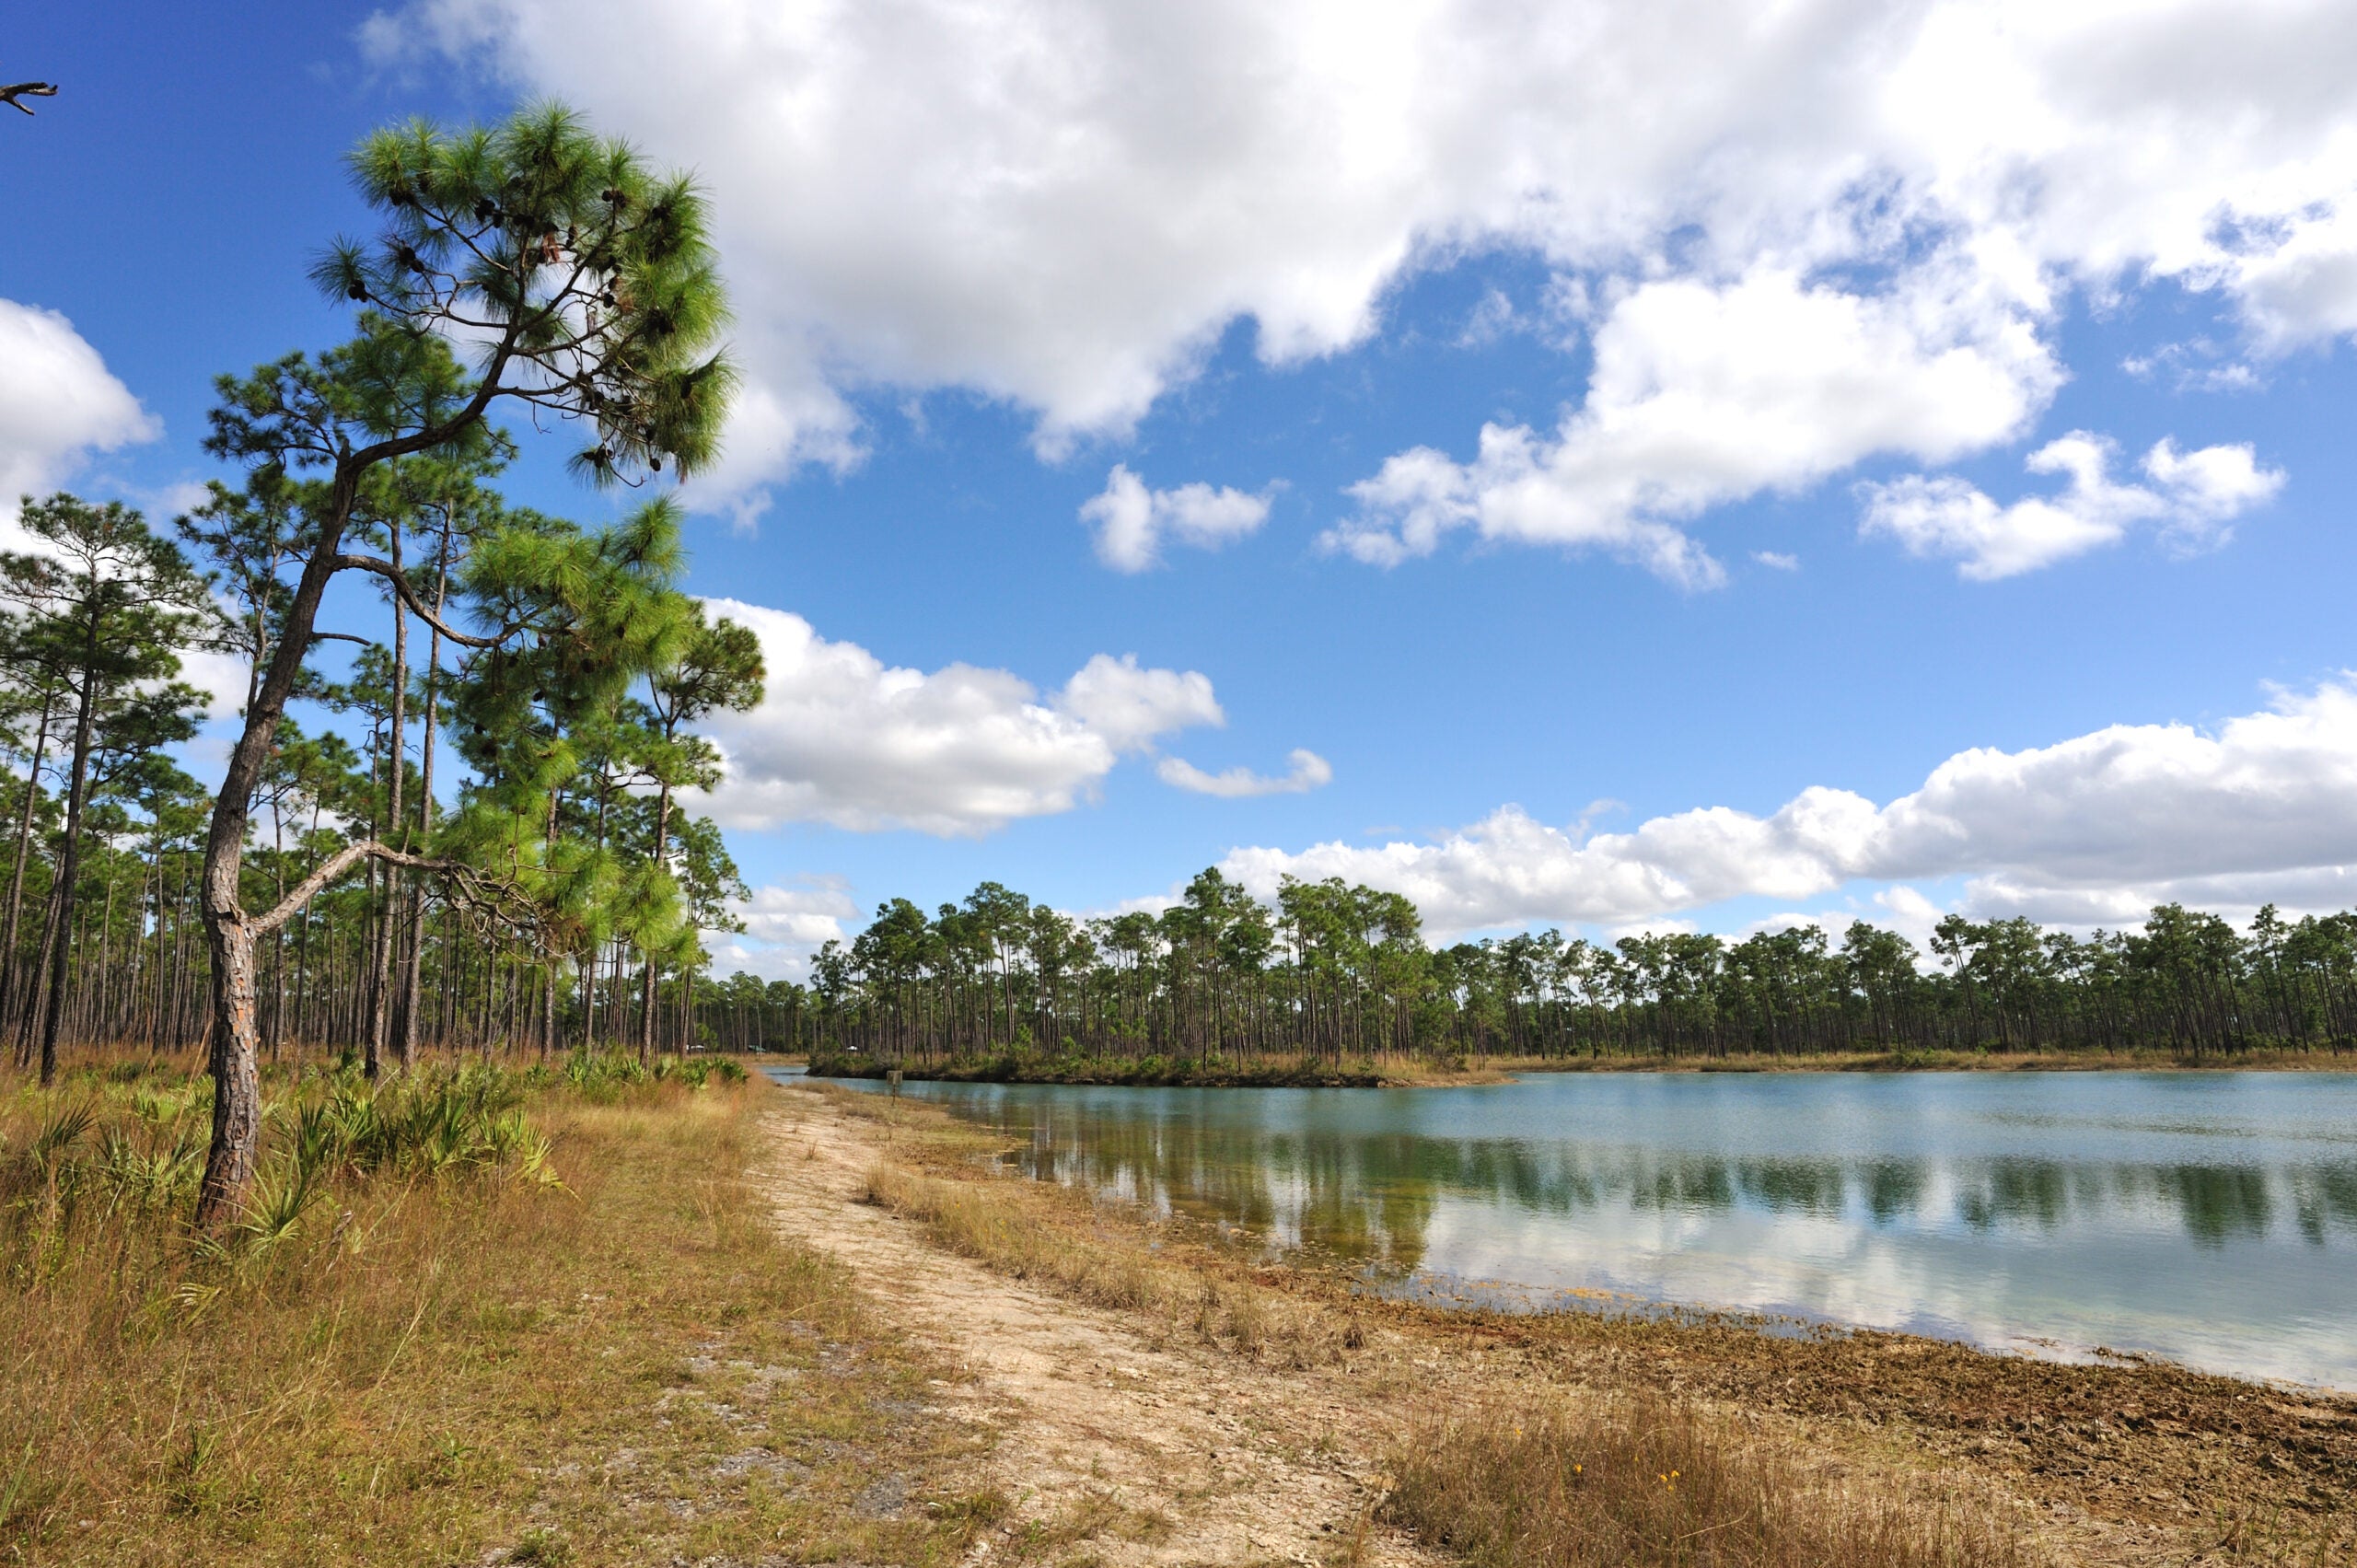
{"x":2210,"y":1218}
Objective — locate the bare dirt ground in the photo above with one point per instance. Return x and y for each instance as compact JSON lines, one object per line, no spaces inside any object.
{"x":1110,"y":1448}
{"x":1120,"y":1443}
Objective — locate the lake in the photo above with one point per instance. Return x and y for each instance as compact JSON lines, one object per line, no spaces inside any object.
{"x":2210,"y":1218}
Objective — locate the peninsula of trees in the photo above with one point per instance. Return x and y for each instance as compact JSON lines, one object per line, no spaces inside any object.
{"x":1333,"y":973}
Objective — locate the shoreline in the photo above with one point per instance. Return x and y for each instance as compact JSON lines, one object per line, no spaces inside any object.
{"x":1952,"y":1061}
{"x":2126,"y":1458}
{"x":1155,"y":1071}
{"x":1447,"y":1298}
{"x":1453,"y":1298}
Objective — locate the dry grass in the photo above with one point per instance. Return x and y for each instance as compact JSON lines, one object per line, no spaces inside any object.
{"x":1061,"y":1248}
{"x":1640,"y":1482}
{"x":1630,"y":1479}
{"x":620,"y":1364}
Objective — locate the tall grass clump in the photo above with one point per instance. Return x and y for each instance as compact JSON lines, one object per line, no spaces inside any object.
{"x":1645,"y":1483}
{"x":444,"y":1302}
{"x":106,"y":1286}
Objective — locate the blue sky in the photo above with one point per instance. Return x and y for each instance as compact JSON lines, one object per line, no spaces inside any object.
{"x":1820,"y":293}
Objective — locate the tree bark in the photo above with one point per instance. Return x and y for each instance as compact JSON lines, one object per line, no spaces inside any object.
{"x":380,"y":1011}
{"x":236,"y":1089}
{"x":8,"y":965}
{"x":409,"y":980}
{"x":370,"y":994}
{"x":69,"y":853}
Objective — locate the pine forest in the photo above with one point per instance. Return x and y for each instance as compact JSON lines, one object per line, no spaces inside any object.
{"x":1341,"y":973}
{"x":457,"y":814}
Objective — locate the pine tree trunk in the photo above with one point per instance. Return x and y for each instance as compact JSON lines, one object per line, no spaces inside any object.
{"x":27,"y":1026}
{"x":646,"y":1008}
{"x":95,"y":1027}
{"x":236,"y":1100}
{"x":380,"y":1022}
{"x":69,"y":854}
{"x":9,"y":971}
{"x":415,"y":967}
{"x":237,"y":1090}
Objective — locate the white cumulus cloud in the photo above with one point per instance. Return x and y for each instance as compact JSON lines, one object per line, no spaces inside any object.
{"x":2191,"y":499}
{"x":1703,"y":395}
{"x":221,"y":676}
{"x":1131,"y":521}
{"x":1065,"y":203}
{"x":1305,"y":771}
{"x":1130,"y":707}
{"x":842,"y":738}
{"x":58,"y":404}
{"x":2094,"y":828}
{"x":784,"y":925}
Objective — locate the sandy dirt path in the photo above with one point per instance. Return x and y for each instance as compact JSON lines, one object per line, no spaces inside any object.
{"x":1114,"y":1449}
{"x":1132,"y":1445}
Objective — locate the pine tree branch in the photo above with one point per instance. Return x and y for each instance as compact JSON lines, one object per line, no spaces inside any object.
{"x":409,"y":597}
{"x":481,"y":896}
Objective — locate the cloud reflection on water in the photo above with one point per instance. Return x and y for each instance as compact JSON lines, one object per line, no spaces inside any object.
{"x":2085,"y":1209}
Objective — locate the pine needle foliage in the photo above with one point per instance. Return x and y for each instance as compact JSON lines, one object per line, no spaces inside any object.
{"x":582,"y":286}
{"x":587,"y":275}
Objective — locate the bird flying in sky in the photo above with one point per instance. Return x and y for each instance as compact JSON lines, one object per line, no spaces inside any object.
{"x":10,"y":95}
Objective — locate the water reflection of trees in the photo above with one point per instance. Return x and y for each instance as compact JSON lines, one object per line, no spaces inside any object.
{"x":1363,"y":1201}
{"x":2325,"y":1198}
{"x":2214,"y":1204}
{"x":1894,"y":1190}
{"x":2016,"y":1191}
{"x":1370,"y":1199}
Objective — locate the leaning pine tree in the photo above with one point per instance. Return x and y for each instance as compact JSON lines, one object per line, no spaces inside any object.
{"x":584,"y":285}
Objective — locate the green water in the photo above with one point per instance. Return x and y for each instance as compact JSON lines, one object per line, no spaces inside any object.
{"x":2209,"y":1218}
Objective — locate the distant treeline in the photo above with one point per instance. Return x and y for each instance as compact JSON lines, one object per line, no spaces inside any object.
{"x":1340,"y":972}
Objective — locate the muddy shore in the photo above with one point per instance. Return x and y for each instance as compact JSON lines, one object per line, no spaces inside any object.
{"x":2129,"y":1461}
